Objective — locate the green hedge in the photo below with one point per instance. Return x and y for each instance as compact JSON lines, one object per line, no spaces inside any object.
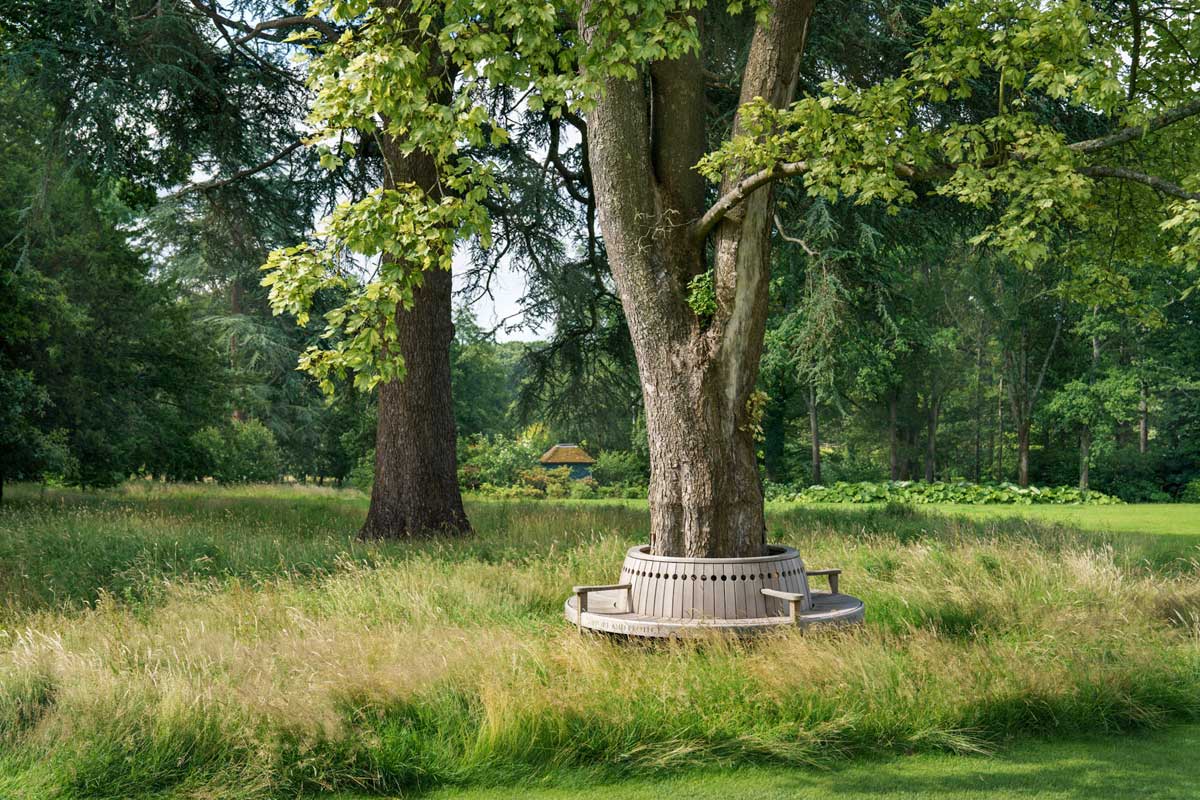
{"x":938,"y":492}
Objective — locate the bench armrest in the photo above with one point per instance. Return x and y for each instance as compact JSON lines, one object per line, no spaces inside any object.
{"x":782,"y":595}
{"x":601,"y":588}
{"x":832,"y":574}
{"x":582,"y":592}
{"x":796,"y":601}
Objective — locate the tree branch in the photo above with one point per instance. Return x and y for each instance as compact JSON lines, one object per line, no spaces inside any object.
{"x":253,"y":31}
{"x":1045,"y":364}
{"x":1138,"y":131}
{"x":570,"y":179}
{"x":298,"y":21}
{"x":730,"y":200}
{"x":794,"y":239}
{"x":720,"y":209}
{"x":240,"y":174}
{"x":1153,"y":181}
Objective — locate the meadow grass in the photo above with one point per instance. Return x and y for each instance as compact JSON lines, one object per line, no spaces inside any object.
{"x":193,"y":641}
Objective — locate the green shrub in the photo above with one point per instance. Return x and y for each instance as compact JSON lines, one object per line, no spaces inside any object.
{"x":553,"y":482}
{"x":240,"y":452}
{"x":1130,"y":475}
{"x":1191,"y":492}
{"x":362,"y":477}
{"x":510,"y":492}
{"x":914,"y":492}
{"x":582,"y":489}
{"x":497,"y":460}
{"x":619,"y":468}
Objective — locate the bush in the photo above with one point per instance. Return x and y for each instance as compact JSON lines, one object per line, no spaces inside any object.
{"x":619,"y":468}
{"x":362,"y":477}
{"x":511,"y":492}
{"x":1132,"y":476}
{"x":240,"y":452}
{"x":497,"y":460}
{"x":582,"y":489}
{"x":903,"y":492}
{"x":553,"y":482}
{"x":1191,"y":492}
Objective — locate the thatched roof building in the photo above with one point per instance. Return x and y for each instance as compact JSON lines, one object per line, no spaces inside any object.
{"x":568,"y":455}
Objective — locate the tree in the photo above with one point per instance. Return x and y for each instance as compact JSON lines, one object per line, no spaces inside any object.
{"x":103,"y":371}
{"x":693,"y":272}
{"x":482,"y":374}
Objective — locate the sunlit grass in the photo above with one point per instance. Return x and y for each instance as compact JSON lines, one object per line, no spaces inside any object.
{"x":1157,"y":518}
{"x":243,"y":643}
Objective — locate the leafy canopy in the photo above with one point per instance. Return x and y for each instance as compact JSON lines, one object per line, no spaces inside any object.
{"x":1054,"y":68}
{"x":413,"y":78}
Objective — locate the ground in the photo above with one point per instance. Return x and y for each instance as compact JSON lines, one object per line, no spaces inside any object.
{"x":203,"y":642}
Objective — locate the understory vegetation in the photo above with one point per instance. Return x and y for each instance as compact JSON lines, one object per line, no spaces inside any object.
{"x":196,"y":641}
{"x":959,"y":492}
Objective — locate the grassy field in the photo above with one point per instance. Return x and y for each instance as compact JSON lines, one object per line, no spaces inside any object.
{"x":197,"y":642}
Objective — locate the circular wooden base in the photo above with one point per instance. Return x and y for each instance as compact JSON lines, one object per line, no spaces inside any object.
{"x":607,"y":612}
{"x":661,"y":596}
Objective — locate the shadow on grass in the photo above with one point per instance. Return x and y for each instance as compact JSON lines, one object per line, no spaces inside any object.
{"x":1157,"y":765}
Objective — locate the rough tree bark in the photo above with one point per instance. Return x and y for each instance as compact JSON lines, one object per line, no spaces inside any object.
{"x":416,"y":472}
{"x":645,"y":137}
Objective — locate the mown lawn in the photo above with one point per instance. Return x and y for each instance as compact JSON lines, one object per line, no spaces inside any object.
{"x":1159,"y":765}
{"x":1176,"y":519}
{"x":1168,"y":519}
{"x":204,"y":642}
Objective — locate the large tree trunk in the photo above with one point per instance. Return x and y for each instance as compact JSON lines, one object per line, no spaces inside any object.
{"x":416,"y":477}
{"x":645,"y":137}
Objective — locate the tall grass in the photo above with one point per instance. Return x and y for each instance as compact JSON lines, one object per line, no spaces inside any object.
{"x":197,"y":642}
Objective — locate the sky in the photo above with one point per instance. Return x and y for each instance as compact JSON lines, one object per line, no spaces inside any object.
{"x":508,"y":290}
